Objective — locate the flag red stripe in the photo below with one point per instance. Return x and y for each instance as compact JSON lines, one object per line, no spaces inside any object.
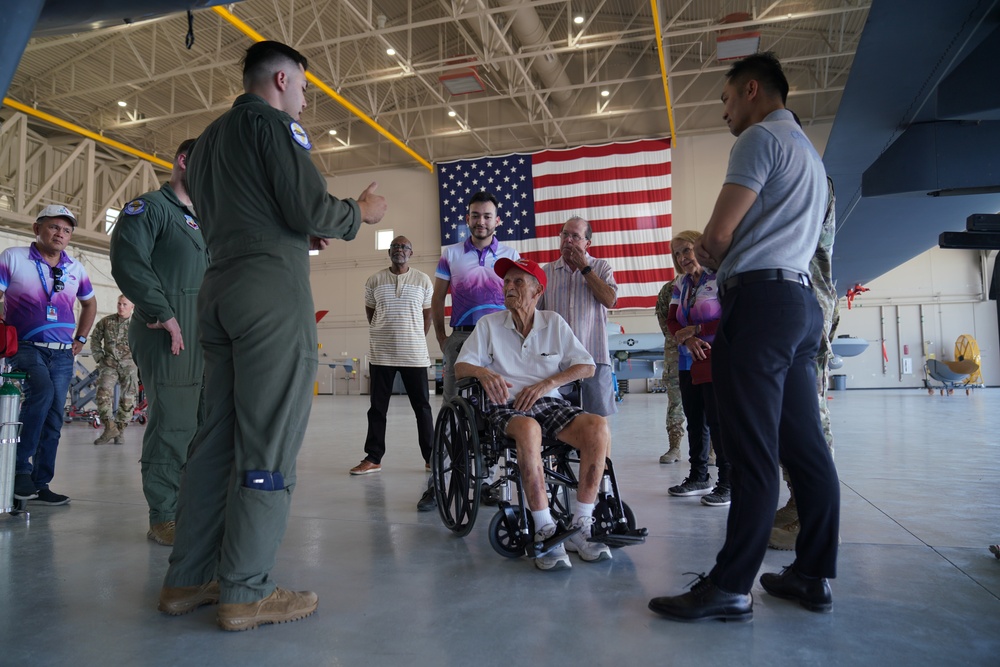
{"x":596,"y":201}
{"x":644,"y":276}
{"x":601,"y":151}
{"x":596,"y":175}
{"x":619,"y":225}
{"x":636,"y":302}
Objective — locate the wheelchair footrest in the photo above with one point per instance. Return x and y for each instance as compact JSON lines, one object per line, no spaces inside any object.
{"x":637,"y":536}
{"x":541,"y":548}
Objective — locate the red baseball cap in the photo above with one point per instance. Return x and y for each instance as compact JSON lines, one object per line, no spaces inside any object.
{"x":505,"y":264}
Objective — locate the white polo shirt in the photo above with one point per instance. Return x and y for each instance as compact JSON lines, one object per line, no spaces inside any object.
{"x":549,"y":348}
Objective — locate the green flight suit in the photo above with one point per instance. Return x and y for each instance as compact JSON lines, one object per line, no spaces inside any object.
{"x":158,"y":259}
{"x":259,"y":198}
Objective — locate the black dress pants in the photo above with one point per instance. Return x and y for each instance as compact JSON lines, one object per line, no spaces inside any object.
{"x":764,"y":374}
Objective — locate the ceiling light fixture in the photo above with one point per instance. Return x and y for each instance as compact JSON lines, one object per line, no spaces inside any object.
{"x":390,"y":51}
{"x":333,"y":133}
{"x":122,"y":103}
{"x":605,"y":93}
{"x":451,"y":113}
{"x":578,"y":19}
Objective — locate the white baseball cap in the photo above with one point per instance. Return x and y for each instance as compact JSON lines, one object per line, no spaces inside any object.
{"x":56,"y":211}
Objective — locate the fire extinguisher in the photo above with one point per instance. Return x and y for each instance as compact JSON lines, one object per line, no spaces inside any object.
{"x":10,"y":431}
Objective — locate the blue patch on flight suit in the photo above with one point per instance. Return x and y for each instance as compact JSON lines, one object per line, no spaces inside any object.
{"x":190,"y":221}
{"x":299,"y":135}
{"x":134,"y":207}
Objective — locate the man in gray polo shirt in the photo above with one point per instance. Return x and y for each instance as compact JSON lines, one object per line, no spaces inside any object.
{"x":761,"y":236}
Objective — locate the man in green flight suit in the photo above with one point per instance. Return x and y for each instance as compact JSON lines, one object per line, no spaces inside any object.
{"x":263,"y":204}
{"x":158,"y":259}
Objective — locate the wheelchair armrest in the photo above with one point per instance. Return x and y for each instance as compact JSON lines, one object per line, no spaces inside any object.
{"x":466,"y":382}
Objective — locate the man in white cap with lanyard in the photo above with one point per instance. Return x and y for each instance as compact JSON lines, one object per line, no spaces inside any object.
{"x":39,"y":285}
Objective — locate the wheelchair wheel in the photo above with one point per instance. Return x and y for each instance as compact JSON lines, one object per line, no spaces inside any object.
{"x":606,"y":519}
{"x":456,"y":466}
{"x":506,"y":540}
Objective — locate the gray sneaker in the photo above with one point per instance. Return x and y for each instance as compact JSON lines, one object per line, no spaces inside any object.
{"x":692,"y":487}
{"x":555,"y":558}
{"x":719,"y":497}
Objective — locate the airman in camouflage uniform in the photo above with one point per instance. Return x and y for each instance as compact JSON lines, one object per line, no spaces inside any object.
{"x":110,"y":349}
{"x":675,"y":411}
{"x":786,"y":520}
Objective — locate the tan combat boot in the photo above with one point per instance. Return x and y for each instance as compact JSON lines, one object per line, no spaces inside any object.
{"x":109,"y":435}
{"x":673,"y":455}
{"x":120,"y":438}
{"x":281,"y":606}
{"x":162,"y":533}
{"x":785,"y":529}
{"x":179,"y":600}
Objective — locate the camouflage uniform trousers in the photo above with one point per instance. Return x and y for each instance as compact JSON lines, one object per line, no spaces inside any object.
{"x":675,"y":411}
{"x":126,"y":376}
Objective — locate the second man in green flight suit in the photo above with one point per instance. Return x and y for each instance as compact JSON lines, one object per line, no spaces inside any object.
{"x":158,"y":259}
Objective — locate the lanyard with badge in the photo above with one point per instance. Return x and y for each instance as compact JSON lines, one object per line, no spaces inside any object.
{"x":51,"y":314}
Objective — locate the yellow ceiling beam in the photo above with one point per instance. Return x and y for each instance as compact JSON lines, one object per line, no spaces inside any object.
{"x":342,"y":101}
{"x":663,"y":68}
{"x":66,"y":125}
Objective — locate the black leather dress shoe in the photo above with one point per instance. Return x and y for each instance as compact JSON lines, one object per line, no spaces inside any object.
{"x":813,"y":594}
{"x":428,"y":501}
{"x":705,"y":602}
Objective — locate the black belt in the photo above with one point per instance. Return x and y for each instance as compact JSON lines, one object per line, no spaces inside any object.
{"x":464,"y":327}
{"x":765,"y":275}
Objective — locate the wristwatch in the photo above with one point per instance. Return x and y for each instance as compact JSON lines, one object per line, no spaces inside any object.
{"x":585,"y":270}
{"x":81,"y":339}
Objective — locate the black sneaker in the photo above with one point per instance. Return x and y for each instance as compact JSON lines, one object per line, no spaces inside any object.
{"x":692,"y":487}
{"x":719,"y":497}
{"x":428,"y":501}
{"x":46,"y":497}
{"x":24,"y":488}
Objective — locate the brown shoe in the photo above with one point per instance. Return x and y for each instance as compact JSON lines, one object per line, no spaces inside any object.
{"x":185,"y":599}
{"x":366,"y":467}
{"x":162,"y":533}
{"x":281,"y":606}
{"x":109,"y":435}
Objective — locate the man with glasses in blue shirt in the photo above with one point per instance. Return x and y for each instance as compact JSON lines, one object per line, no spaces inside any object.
{"x":39,"y":285}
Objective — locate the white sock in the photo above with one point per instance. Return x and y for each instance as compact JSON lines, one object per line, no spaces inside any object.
{"x":542,"y":518}
{"x":582,"y":510}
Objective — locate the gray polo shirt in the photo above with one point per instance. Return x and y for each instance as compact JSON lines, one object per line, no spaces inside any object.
{"x":780,"y":231}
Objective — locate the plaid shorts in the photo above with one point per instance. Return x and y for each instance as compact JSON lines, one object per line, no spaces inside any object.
{"x":554,"y":414}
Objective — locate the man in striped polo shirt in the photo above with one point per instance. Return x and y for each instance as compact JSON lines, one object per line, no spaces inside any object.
{"x":581,"y":289}
{"x":398,"y":306}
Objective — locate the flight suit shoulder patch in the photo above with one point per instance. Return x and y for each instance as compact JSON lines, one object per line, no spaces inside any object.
{"x":190,"y":221}
{"x":299,"y":135}
{"x":134,"y":207}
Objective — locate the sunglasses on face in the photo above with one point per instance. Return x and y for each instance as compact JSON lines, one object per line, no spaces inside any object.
{"x":57,"y":282}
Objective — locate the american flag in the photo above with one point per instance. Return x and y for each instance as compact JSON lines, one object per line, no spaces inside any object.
{"x":623,"y":189}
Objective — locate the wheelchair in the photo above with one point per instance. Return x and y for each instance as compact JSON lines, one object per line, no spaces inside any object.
{"x":467,"y":446}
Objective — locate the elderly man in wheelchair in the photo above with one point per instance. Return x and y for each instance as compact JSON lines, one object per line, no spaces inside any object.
{"x":521,"y":357}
